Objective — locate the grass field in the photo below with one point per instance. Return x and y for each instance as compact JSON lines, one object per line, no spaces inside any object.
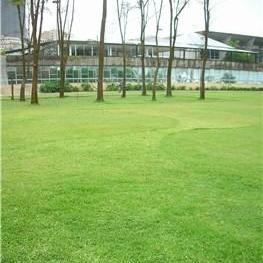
{"x":131,"y":180}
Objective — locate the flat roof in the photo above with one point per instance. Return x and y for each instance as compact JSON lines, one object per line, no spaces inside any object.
{"x":190,"y":41}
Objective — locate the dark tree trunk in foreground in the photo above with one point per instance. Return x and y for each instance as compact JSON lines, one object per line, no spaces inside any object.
{"x":62,"y":79}
{"x":124,"y":72}
{"x":144,"y":90}
{"x":143,"y":5}
{"x":169,"y":72}
{"x":204,"y":51}
{"x":157,"y":65}
{"x":34,"y":91}
{"x":171,"y":54}
{"x":63,"y":40}
{"x":21,"y":18}
{"x":123,"y":9}
{"x":12,"y":90}
{"x":101,"y":53}
{"x":36,"y":13}
{"x":175,"y":12}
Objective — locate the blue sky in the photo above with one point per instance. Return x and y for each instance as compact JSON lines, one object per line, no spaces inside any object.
{"x":232,"y":16}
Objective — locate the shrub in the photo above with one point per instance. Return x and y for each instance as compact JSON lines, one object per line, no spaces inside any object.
{"x":213,"y":88}
{"x":133,"y":86}
{"x":68,"y":87}
{"x":52,"y":87}
{"x":75,"y":89}
{"x":49,"y":87}
{"x":181,"y":87}
{"x":86,"y":86}
{"x":149,"y":86}
{"x":159,"y":86}
{"x":112,"y":87}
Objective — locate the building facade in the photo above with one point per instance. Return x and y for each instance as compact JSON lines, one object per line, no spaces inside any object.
{"x":224,"y":61}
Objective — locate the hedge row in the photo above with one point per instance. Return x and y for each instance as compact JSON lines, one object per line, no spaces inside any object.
{"x":51,"y":87}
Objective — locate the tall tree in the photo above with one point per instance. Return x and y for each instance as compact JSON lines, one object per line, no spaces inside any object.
{"x":158,"y":12}
{"x":101,"y":53}
{"x":28,"y":37}
{"x":144,"y":8}
{"x":123,"y":9}
{"x":176,"y":8}
{"x":36,"y":14}
{"x":64,"y":35}
{"x":21,"y":12}
{"x":204,"y":52}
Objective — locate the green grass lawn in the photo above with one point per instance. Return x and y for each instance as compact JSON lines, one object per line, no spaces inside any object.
{"x":131,"y":180}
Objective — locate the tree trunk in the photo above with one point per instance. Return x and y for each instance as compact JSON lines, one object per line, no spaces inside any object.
{"x":63,"y":40}
{"x":124,"y":73}
{"x":62,"y":75}
{"x":62,"y":81}
{"x":156,"y":70}
{"x":169,"y":73}
{"x":22,"y":37}
{"x":22,"y":90}
{"x":23,"y":84}
{"x":12,"y":90}
{"x":202,"y":80}
{"x":158,"y":17}
{"x":205,"y":51}
{"x":144,"y":91}
{"x":34,"y":95}
{"x":34,"y":92}
{"x":154,"y":84}
{"x":174,"y":18}
{"x":101,"y":53}
{"x":37,"y":23}
{"x":124,"y":79}
{"x":202,"y":77}
{"x":171,"y":54}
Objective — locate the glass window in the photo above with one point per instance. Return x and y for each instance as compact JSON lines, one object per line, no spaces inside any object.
{"x":213,"y":54}
{"x":190,"y":54}
{"x":107,"y":73}
{"x":54,"y":73}
{"x":92,"y":73}
{"x":87,"y":50}
{"x":114,"y":72}
{"x":95,"y":51}
{"x":120,"y":73}
{"x":69,"y":73}
{"x":44,"y":74}
{"x":116,"y":51}
{"x":149,"y":52}
{"x":75,"y":72}
{"x":84,"y":72}
{"x":11,"y":75}
{"x":131,"y":51}
{"x":106,"y":51}
{"x":73,"y":51}
{"x":79,"y":50}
